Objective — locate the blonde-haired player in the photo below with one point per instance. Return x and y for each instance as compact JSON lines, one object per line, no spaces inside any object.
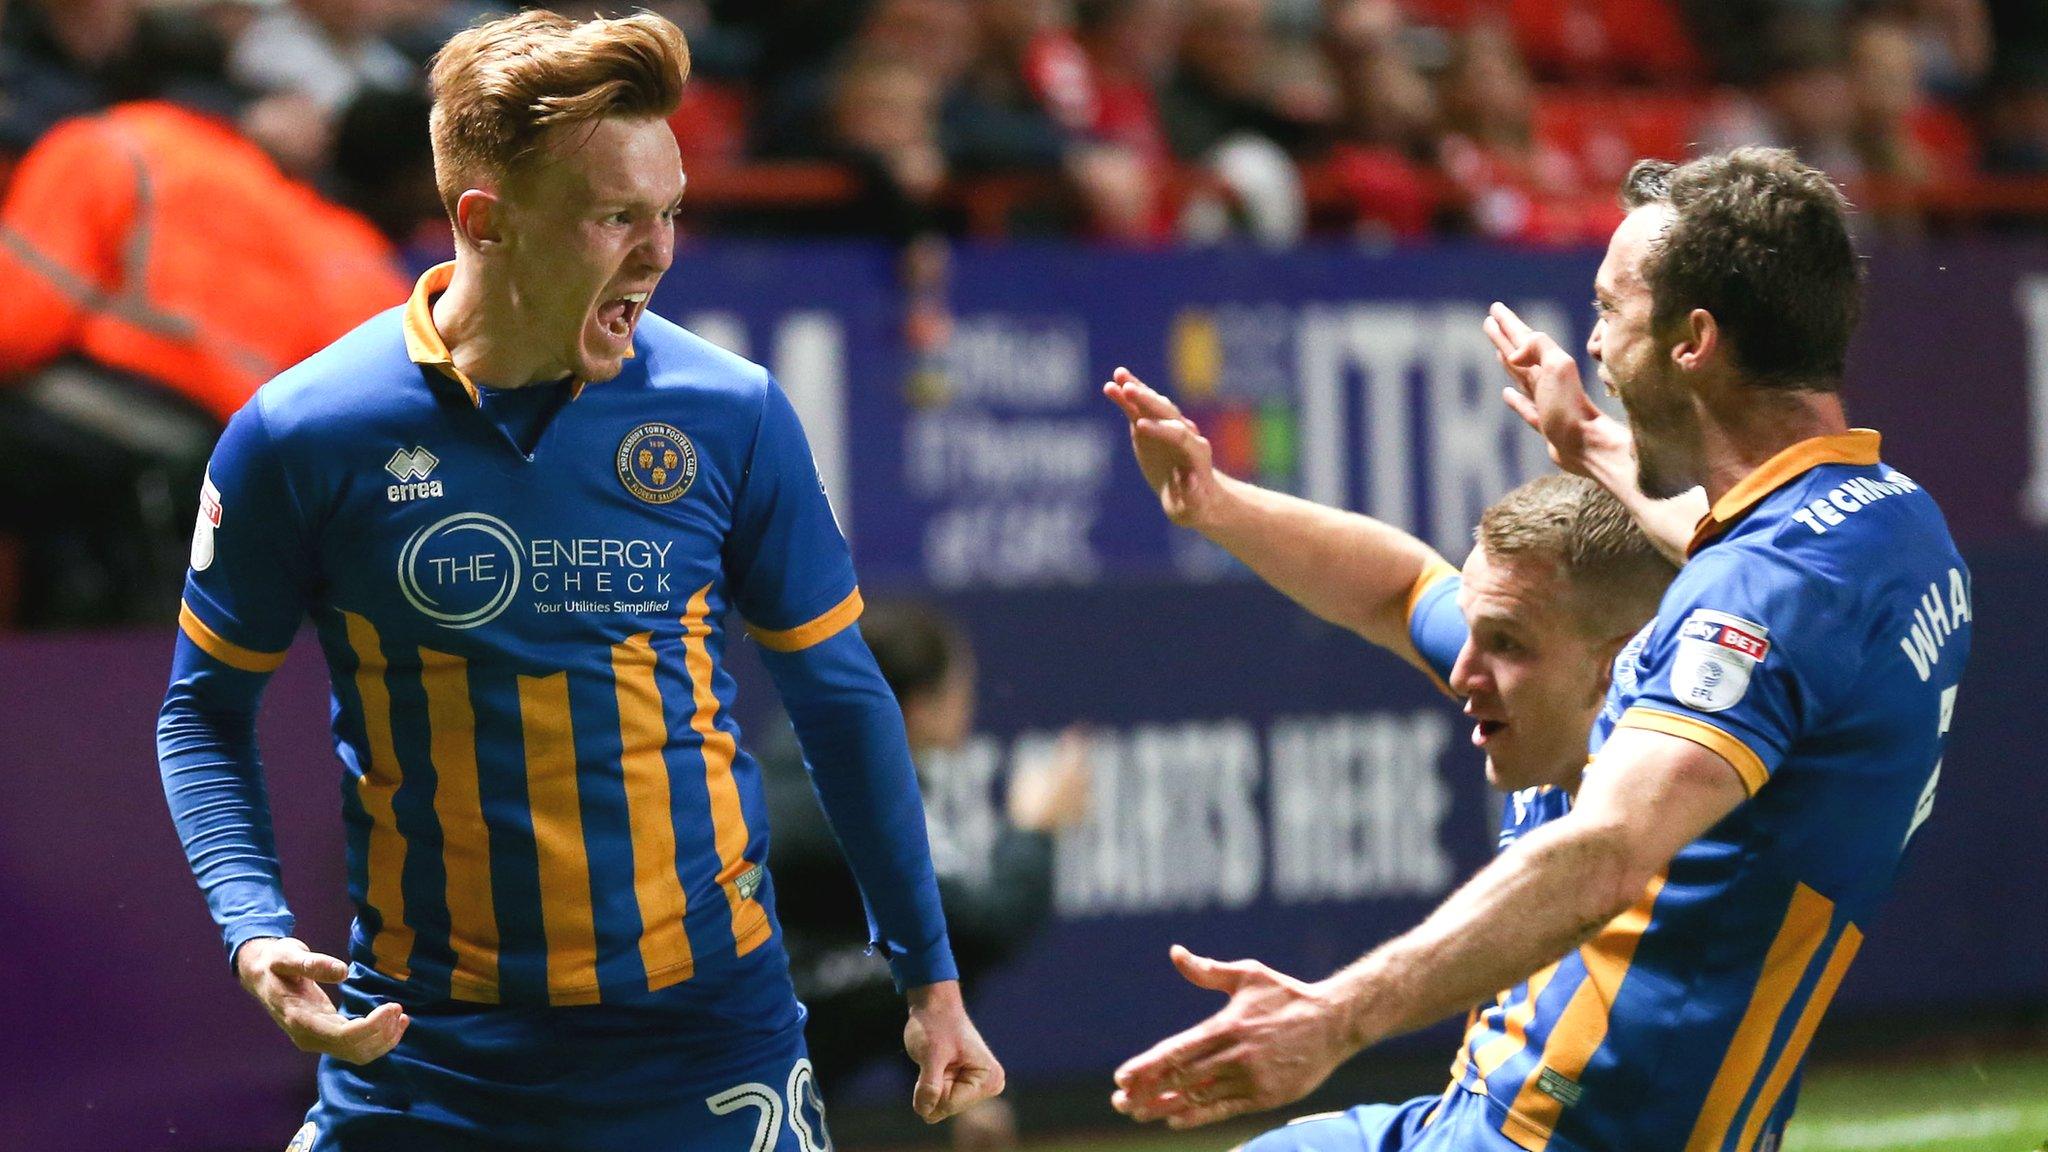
{"x":517,"y":510}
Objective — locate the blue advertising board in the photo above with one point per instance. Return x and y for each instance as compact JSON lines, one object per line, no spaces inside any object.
{"x":1264,"y":784}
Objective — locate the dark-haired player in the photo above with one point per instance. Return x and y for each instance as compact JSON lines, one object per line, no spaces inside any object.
{"x":1668,"y":947}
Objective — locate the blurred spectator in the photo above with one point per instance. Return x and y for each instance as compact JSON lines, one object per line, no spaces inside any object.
{"x":1027,"y":103}
{"x":1900,"y":135}
{"x":159,"y":267}
{"x":995,"y":876}
{"x":63,"y":58}
{"x":418,"y":28}
{"x":936,"y":37}
{"x":1219,"y":112}
{"x":1223,"y":88}
{"x":384,"y":166}
{"x":1383,"y":162}
{"x":2016,"y":141}
{"x":325,"y":50}
{"x":1517,"y":186}
{"x":1805,"y":102}
{"x":884,"y":123}
{"x":1129,"y":49}
{"x":1017,"y":105}
{"x":1954,"y":44}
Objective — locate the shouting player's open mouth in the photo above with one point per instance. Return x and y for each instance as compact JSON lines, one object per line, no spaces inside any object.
{"x":616,"y":317}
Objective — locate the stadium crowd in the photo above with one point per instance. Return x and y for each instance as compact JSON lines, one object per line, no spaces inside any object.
{"x":198,"y":193}
{"x":1131,"y":120}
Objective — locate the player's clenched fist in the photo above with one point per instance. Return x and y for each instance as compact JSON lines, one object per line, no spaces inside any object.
{"x":1171,"y":451}
{"x":955,"y":1069}
{"x":285,"y":977}
{"x":1275,"y":1042}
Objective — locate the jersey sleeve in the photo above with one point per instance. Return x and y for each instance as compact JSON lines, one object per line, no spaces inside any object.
{"x":851,"y":731}
{"x":1435,"y":625}
{"x":243,"y":599}
{"x":247,"y":588}
{"x":786,"y":562}
{"x":1745,"y":657}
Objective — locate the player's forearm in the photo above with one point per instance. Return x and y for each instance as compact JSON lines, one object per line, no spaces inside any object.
{"x":1554,"y":891}
{"x":852,"y":736}
{"x":213,"y":781}
{"x":1668,"y":523}
{"x":1349,"y":569}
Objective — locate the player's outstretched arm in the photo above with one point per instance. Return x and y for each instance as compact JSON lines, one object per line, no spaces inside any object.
{"x":955,"y":1069}
{"x":1279,"y":1038}
{"x":1548,"y":394}
{"x":1351,"y":570}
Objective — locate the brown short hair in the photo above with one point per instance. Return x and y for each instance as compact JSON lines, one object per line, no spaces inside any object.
{"x":504,"y":87}
{"x":1762,"y":242}
{"x":1615,"y":574}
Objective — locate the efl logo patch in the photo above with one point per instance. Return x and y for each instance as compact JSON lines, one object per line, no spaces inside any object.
{"x":209,"y":520}
{"x":657,"y":463}
{"x":1716,"y":654}
{"x":303,"y":1141}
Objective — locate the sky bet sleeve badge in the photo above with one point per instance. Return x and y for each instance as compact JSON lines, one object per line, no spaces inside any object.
{"x":1716,"y":654}
{"x":209,"y":520}
{"x":657,"y":463}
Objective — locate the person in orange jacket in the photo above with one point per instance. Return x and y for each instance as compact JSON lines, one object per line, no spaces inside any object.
{"x":155,"y":268}
{"x":156,"y":241}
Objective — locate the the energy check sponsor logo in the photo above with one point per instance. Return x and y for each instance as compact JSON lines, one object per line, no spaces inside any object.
{"x":465,"y":570}
{"x":461,"y":570}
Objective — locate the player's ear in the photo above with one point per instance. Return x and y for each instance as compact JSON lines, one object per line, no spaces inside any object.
{"x":1699,"y":338}
{"x":1604,"y":658}
{"x":479,"y":219}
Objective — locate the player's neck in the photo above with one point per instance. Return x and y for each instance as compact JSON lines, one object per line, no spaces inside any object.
{"x":1738,"y":437}
{"x":482,"y":330}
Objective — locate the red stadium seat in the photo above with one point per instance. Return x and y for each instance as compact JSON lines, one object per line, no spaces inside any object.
{"x":1947,"y":137}
{"x":1606,"y":131}
{"x":1643,"y":41}
{"x":711,"y":124}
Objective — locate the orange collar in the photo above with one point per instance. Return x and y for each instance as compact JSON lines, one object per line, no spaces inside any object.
{"x":423,"y":341}
{"x":1856,"y":446}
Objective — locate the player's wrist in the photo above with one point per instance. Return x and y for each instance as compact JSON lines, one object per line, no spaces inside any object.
{"x":252,"y":955}
{"x":938,"y":996}
{"x":1357,"y":998}
{"x":1216,"y":505}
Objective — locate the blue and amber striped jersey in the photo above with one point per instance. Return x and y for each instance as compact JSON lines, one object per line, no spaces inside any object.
{"x":546,"y":798}
{"x":1814,"y":640}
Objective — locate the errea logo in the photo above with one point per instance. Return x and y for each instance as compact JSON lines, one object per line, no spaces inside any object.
{"x":411,"y":469}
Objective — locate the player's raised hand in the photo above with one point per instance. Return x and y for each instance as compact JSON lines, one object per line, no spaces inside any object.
{"x":1176,"y":460}
{"x":1275,"y":1041}
{"x":955,"y":1069}
{"x":285,"y":977}
{"x":1549,"y":396}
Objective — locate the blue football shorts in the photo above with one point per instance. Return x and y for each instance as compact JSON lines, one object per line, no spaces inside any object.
{"x":1457,"y":1121}
{"x":659,"y":1076}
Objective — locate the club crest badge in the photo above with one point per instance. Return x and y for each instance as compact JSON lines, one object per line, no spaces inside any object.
{"x":657,"y":463}
{"x":1716,"y":654}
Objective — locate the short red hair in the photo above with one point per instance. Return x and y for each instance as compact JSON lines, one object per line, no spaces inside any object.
{"x":503,"y":88}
